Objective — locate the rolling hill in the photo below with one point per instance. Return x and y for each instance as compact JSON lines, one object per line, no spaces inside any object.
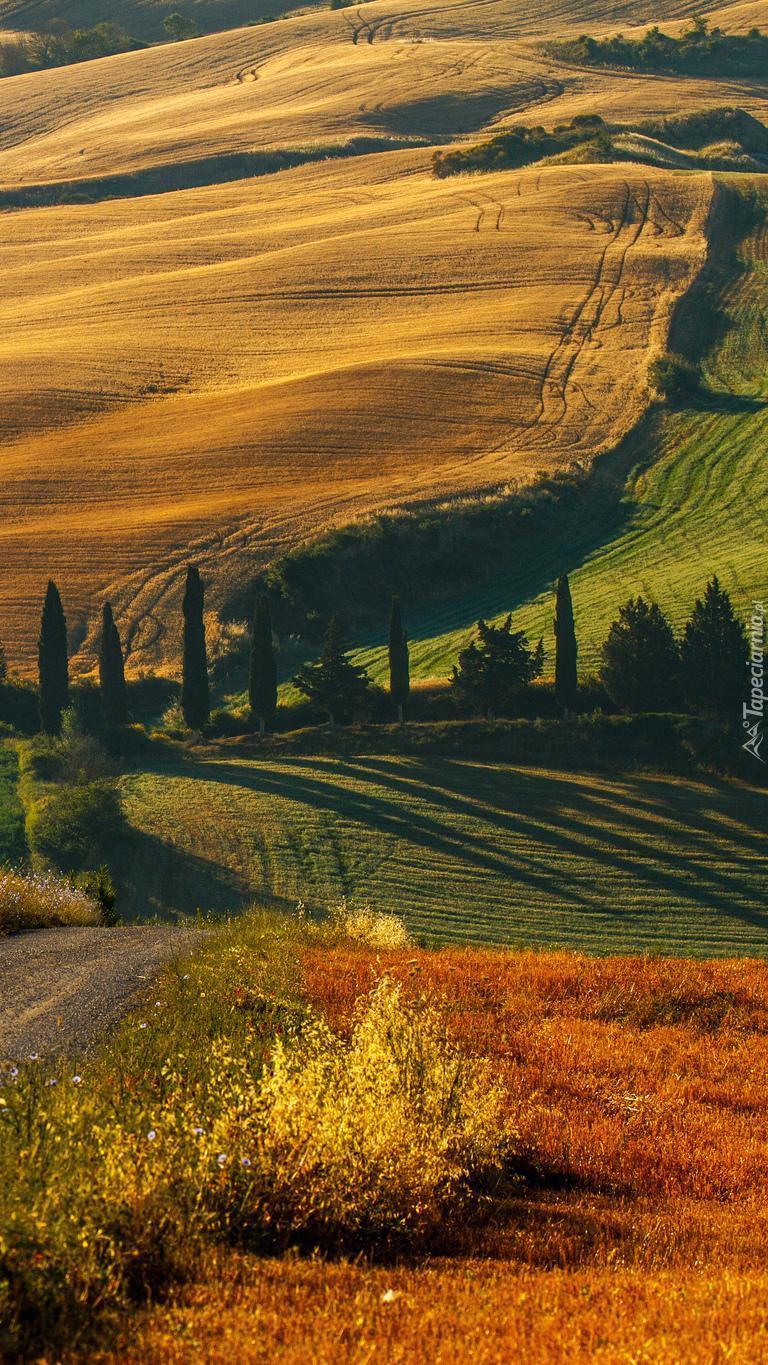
{"x":200,"y":368}
{"x":142,"y":18}
{"x":204,"y":354}
{"x":695,"y":503}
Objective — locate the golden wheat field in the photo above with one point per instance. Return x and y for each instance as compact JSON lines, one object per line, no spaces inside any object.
{"x":223,"y":370}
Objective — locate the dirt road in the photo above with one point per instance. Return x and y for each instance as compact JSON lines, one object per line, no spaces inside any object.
{"x":61,"y":988}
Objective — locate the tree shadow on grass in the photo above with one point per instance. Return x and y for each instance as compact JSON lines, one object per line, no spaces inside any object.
{"x":542,"y":814}
{"x":157,"y":879}
{"x":709,"y":400}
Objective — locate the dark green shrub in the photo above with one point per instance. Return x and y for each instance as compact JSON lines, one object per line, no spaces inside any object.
{"x":19,"y":706}
{"x":100,"y":887}
{"x":74,"y":827}
{"x":698,"y":50}
{"x":673,"y":377}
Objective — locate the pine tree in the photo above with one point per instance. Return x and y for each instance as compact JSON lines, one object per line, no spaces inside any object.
{"x":566,"y":648}
{"x":53,"y":664}
{"x":333,"y":685}
{"x":714,"y":653}
{"x":195,"y":696}
{"x":496,"y":668}
{"x":262,"y":682}
{"x":640,"y":667}
{"x":114,"y":695}
{"x":399,"y":665}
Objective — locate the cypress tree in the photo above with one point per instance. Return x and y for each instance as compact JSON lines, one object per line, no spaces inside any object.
{"x":566,"y":649}
{"x":714,"y":652}
{"x":399,"y":668}
{"x":334,"y":684}
{"x":262,"y":682}
{"x":114,"y":695}
{"x":53,"y":664}
{"x":195,"y":696}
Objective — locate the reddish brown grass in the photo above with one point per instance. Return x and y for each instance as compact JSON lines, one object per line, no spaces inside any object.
{"x":637,"y":1230}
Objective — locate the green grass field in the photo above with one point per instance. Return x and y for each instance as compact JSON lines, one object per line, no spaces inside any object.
{"x":464,"y":851}
{"x":700,"y":506}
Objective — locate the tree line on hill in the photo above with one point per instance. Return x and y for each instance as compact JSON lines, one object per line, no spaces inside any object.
{"x":644,"y":667}
{"x":61,"y":45}
{"x":701,"y":50}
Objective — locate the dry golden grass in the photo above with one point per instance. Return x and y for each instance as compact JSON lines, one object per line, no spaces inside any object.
{"x":639,"y":1089}
{"x":481,"y":1311}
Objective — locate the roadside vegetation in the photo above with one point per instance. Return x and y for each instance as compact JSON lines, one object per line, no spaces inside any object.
{"x":228,"y":1112}
{"x":42,"y":900}
{"x":441,"y":1102}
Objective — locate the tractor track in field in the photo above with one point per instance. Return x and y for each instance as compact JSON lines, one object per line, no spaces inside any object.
{"x":578,"y":332}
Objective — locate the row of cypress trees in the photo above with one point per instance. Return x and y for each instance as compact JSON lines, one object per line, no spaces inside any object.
{"x":53,"y":666}
{"x":334,"y":684}
{"x":643,"y":667}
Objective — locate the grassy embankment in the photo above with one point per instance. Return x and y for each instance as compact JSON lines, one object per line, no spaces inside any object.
{"x":36,"y":899}
{"x":465,"y":851}
{"x":626,"y":1219}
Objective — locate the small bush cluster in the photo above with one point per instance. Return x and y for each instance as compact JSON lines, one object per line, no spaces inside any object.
{"x":673,"y":377}
{"x":75,"y":826}
{"x":365,"y":925}
{"x":522,"y":146}
{"x":38,"y":900}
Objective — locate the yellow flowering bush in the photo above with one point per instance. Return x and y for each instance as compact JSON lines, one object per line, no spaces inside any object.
{"x":372,"y":1138}
{"x":227,"y":1110}
{"x":371,"y":927}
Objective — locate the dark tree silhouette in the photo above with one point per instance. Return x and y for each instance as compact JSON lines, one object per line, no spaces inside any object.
{"x":114,"y":694}
{"x":566,"y":649}
{"x":195,"y":695}
{"x":399,"y":664}
{"x":714,"y":653}
{"x":334,"y":684}
{"x":640,"y":667}
{"x":262,"y":681}
{"x":53,"y":663}
{"x":496,"y":668}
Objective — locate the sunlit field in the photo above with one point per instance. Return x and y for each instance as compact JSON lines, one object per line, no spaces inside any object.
{"x":229,"y":368}
{"x":464,"y":851}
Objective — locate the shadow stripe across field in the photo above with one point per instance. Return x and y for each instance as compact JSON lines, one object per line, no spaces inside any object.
{"x":466,"y":851}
